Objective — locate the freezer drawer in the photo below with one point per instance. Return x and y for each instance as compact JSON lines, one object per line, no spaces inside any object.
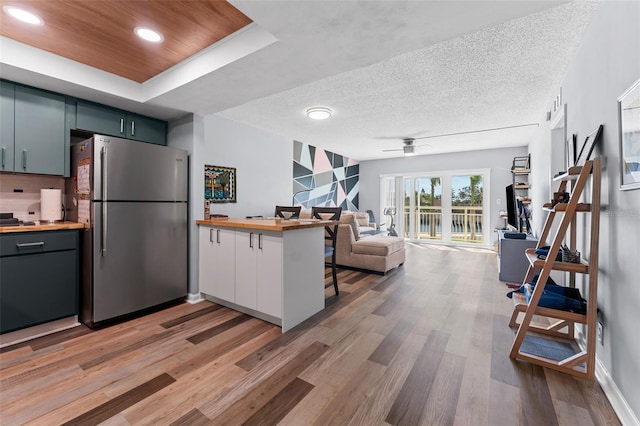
{"x":140,"y":260}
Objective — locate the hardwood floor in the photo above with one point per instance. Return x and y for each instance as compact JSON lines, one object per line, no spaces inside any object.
{"x":427,"y":344}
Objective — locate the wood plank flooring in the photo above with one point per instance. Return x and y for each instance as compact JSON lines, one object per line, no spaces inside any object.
{"x":426,"y":344}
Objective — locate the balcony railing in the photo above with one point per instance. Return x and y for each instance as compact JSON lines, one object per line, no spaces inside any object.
{"x":466,"y":223}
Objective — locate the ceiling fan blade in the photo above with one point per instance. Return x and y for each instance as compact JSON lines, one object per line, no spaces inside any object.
{"x":389,"y":150}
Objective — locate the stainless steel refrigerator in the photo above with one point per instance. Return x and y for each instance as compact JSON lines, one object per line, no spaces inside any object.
{"x":132,"y":196}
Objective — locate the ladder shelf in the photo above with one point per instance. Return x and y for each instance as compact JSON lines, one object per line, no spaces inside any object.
{"x":551,"y":326}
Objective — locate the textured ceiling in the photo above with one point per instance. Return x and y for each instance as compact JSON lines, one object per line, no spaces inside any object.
{"x":389,"y":69}
{"x":504,"y":75}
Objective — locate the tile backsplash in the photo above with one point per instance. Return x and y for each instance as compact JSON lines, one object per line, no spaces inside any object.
{"x":20,"y":193}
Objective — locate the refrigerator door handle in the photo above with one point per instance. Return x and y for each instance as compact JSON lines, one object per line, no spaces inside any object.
{"x":103,"y":223}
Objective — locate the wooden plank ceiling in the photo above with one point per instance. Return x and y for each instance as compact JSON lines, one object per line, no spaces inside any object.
{"x":100,"y":33}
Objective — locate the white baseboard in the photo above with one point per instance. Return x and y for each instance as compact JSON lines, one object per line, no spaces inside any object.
{"x":619,"y":404}
{"x":30,"y":333}
{"x":615,"y":397}
{"x":194,"y":298}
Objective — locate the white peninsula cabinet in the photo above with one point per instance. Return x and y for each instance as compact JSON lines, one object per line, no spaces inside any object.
{"x":271,"y":269}
{"x":217,"y":251}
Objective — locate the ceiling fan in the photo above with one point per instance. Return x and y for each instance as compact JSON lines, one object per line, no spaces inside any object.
{"x":409,"y":147}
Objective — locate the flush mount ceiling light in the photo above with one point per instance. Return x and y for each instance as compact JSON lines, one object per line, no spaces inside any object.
{"x":23,"y":15}
{"x":319,"y":113}
{"x":149,"y":35}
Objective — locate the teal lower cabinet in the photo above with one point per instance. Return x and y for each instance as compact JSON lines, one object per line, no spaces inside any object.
{"x":39,"y":273}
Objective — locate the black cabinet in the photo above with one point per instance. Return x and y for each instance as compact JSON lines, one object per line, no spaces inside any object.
{"x":39,"y":272}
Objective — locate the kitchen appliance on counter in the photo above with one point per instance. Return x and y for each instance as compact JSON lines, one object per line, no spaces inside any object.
{"x":132,"y":196}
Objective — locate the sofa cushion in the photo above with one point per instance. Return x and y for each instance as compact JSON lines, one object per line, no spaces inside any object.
{"x":350,"y":219}
{"x":378,"y":245}
{"x":305,"y":214}
{"x":362,"y":218}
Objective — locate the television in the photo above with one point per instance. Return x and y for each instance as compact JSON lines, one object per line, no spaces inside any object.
{"x":512,"y":209}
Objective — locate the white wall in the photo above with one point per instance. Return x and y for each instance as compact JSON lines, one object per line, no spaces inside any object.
{"x":187,"y":134}
{"x":605,"y":65}
{"x":498,"y":160}
{"x":263,"y":162}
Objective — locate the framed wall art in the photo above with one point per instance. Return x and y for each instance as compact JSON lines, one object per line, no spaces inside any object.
{"x":219,"y":184}
{"x":588,"y":146}
{"x":629,"y":134}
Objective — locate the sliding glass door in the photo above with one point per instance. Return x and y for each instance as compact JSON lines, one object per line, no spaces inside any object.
{"x":423,"y":208}
{"x":467,"y":209}
{"x":447,"y":207}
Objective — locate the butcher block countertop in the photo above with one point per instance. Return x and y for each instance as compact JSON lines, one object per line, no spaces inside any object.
{"x":56,"y":226}
{"x":264,"y":224}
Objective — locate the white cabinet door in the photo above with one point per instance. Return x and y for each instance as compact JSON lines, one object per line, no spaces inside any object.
{"x":246,"y":273}
{"x":217,"y":263}
{"x":269,"y":274}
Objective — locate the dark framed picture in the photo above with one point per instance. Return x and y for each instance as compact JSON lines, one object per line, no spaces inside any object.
{"x":219,"y":184}
{"x":629,"y":134}
{"x":588,"y":146}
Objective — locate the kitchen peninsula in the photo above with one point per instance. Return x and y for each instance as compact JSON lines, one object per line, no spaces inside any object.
{"x":272,"y":269}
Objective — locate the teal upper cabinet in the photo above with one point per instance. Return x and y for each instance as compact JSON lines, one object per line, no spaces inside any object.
{"x":39,"y":132}
{"x":7,"y":119}
{"x":34,"y":122}
{"x":146,"y":129}
{"x":102,"y":119}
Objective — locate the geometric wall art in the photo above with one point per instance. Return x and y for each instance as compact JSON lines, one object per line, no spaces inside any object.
{"x":323,"y":178}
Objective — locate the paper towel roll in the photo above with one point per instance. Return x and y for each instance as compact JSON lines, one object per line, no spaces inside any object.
{"x":50,"y":205}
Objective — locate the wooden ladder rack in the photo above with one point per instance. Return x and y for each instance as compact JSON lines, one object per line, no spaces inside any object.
{"x":581,"y":364}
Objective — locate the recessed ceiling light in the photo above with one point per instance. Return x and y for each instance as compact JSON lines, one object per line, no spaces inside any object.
{"x":319,"y":113}
{"x":149,"y":35}
{"x":23,"y":15}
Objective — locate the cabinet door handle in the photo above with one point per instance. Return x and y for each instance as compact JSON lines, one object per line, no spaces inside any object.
{"x":103,"y":228}
{"x":122,"y":125}
{"x":218,"y":236}
{"x":251,"y":240}
{"x":28,"y":245}
{"x":24,"y":159}
{"x":260,"y":241}
{"x":133,"y":128}
{"x":210,"y":235}
{"x":4,"y":153}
